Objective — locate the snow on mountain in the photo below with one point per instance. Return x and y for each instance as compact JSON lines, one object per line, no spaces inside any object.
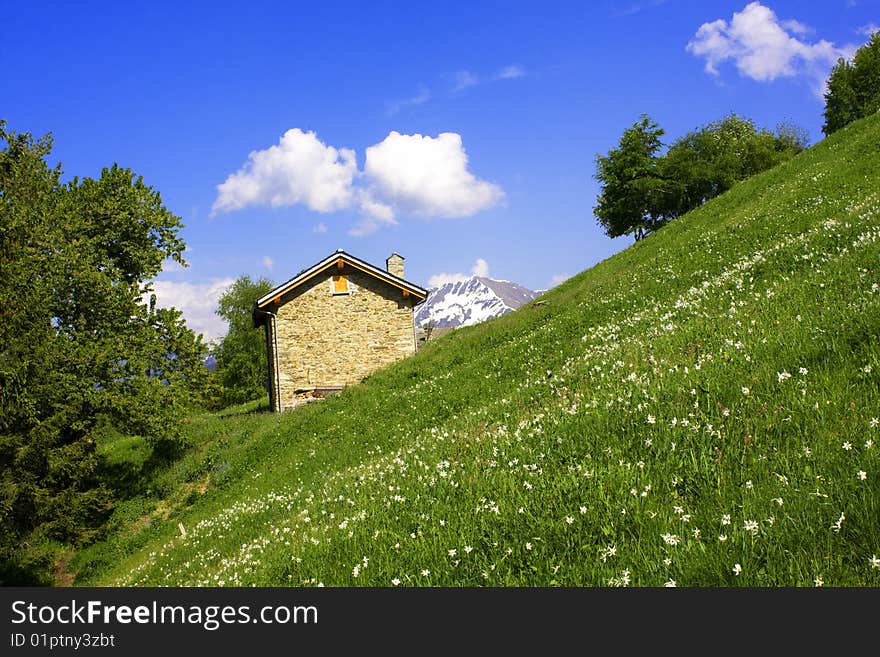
{"x":470,"y":301}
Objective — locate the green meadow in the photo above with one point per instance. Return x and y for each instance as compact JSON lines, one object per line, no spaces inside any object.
{"x":700,"y":410}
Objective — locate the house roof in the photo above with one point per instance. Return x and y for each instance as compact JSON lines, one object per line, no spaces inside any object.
{"x":331,"y":260}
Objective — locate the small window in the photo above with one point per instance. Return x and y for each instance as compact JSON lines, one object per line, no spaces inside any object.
{"x":339,"y":285}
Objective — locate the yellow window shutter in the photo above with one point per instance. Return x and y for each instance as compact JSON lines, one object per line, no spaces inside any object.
{"x":340,"y":285}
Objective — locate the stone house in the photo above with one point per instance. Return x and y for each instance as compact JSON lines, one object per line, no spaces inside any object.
{"x":334,"y":323}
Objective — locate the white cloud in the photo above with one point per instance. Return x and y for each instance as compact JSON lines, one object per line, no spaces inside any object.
{"x":438,"y":280}
{"x":319,"y":228}
{"x":197,"y":302}
{"x":375,"y":208}
{"x":480,"y":268}
{"x":394,"y":107}
{"x":510,"y":72}
{"x":867,"y":30}
{"x":427,"y":176}
{"x":764,"y":48}
{"x":463,"y":79}
{"x":796,"y":26}
{"x":268,"y":263}
{"x":299,"y":169}
{"x":559,"y":278}
{"x":170,"y":266}
{"x":403,"y":174}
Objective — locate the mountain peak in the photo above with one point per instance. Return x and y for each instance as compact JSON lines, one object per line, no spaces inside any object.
{"x":470,"y":301}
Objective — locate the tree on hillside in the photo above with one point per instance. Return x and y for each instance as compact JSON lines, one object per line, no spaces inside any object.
{"x":631,"y":184}
{"x":853,"y":87}
{"x":241,"y":355}
{"x":81,"y":346}
{"x":642,"y":190}
{"x":707,"y":162}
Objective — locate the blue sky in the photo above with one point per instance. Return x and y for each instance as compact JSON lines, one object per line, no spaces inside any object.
{"x":461,"y":135}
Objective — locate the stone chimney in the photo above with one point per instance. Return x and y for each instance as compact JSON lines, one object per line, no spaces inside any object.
{"x":394,"y":265}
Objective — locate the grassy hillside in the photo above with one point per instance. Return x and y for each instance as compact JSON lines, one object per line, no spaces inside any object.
{"x":701,"y":408}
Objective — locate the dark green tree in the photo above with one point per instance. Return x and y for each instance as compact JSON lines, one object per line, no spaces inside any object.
{"x":629,"y":199}
{"x":81,"y":346}
{"x":853,"y":87}
{"x":241,"y":355}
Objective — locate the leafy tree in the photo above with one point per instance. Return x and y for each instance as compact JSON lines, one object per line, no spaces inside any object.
{"x":853,"y":87}
{"x":642,"y":190}
{"x":631,"y":185}
{"x":707,"y":162}
{"x":241,"y":355}
{"x":81,"y":346}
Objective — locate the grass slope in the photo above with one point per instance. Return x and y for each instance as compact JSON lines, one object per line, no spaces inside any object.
{"x":699,"y":409}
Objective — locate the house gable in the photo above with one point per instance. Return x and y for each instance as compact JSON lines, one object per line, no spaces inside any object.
{"x":333,"y":324}
{"x":341,"y":263}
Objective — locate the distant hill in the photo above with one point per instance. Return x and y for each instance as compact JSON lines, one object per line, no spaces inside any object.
{"x":471,"y":301}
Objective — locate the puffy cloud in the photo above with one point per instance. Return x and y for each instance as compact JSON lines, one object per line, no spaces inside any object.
{"x":375,"y":215}
{"x":438,"y":280}
{"x":480,"y":268}
{"x":403,"y":174}
{"x":427,"y":176}
{"x":764,"y":48}
{"x":867,"y":30}
{"x":267,"y":262}
{"x":197,"y":302}
{"x":299,"y":169}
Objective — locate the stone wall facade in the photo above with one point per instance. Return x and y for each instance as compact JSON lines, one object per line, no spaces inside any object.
{"x":331,"y":339}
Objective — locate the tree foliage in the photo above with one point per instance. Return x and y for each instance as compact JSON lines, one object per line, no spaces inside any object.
{"x":631,"y":184}
{"x":707,"y":162}
{"x":241,"y":355}
{"x":853,"y":87}
{"x":81,"y":345}
{"x":642,"y":190}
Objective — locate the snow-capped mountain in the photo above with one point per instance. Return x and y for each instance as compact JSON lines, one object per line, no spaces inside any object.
{"x":470,"y":301}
